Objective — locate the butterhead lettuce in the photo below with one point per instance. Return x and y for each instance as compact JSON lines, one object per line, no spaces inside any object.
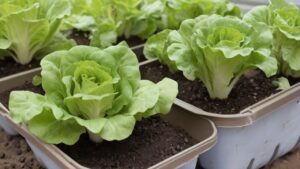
{"x":217,"y":50}
{"x":92,"y":90}
{"x":27,"y":27}
{"x":283,"y":20}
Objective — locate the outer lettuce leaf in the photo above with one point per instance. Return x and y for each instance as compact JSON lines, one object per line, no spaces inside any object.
{"x":155,"y":48}
{"x":90,"y":90}
{"x":29,"y":27}
{"x":283,"y":20}
{"x":282,"y":83}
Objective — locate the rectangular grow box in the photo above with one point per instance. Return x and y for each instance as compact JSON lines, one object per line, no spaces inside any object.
{"x":257,"y":135}
{"x":52,"y":157}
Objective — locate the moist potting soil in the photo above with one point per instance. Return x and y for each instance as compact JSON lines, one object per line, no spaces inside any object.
{"x":248,"y":90}
{"x":8,"y":66}
{"x":82,"y":38}
{"x":153,"y":140}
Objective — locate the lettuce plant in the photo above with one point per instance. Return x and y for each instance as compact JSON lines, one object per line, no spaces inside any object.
{"x":108,"y":19}
{"x":90,"y":90}
{"x":217,"y":50}
{"x":27,"y":27}
{"x":283,"y":20}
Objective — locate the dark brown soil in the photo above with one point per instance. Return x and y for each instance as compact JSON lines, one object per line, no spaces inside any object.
{"x":15,"y":153}
{"x":82,"y":38}
{"x":248,"y":90}
{"x":152,"y":141}
{"x":8,"y":66}
{"x":132,"y":41}
{"x":135,"y":41}
{"x":4,"y":96}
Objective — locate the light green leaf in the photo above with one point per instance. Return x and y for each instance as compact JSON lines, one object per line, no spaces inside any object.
{"x":54,"y":131}
{"x":144,"y":98}
{"x":118,"y":127}
{"x":4,"y":44}
{"x":168,"y":91}
{"x":282,"y":83}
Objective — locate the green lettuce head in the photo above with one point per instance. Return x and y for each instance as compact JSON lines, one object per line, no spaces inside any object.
{"x":90,"y":90}
{"x":28,"y":27}
{"x":283,"y":20}
{"x":217,"y":50}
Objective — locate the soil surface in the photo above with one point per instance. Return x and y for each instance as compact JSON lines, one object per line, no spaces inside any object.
{"x":82,"y":38}
{"x":15,"y":153}
{"x":8,"y":66}
{"x":248,"y":90}
{"x":152,"y":141}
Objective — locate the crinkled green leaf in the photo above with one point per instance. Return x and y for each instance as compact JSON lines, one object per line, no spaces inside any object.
{"x":144,"y":98}
{"x":168,"y":91}
{"x":22,"y":109}
{"x":54,"y":131}
{"x":282,"y":83}
{"x":118,"y":127}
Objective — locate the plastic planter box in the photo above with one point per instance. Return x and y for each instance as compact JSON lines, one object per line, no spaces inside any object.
{"x":52,"y":157}
{"x":257,"y":135}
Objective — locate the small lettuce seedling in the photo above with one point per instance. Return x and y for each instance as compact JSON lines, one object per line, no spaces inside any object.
{"x":27,"y":27}
{"x":283,"y":20}
{"x":217,"y":50}
{"x":92,"y":90}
